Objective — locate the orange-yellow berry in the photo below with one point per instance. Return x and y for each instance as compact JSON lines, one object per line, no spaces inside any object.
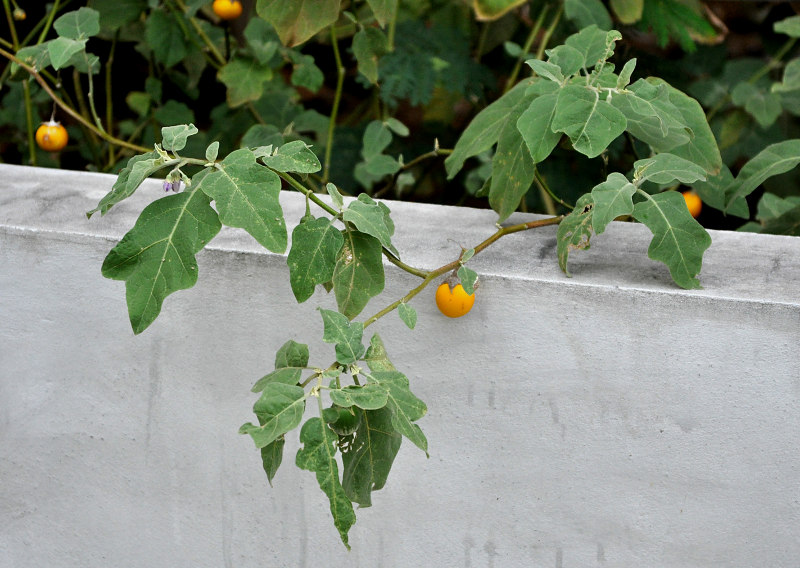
{"x":454,"y":302}
{"x":227,"y":9}
{"x":693,"y":203}
{"x":51,"y":136}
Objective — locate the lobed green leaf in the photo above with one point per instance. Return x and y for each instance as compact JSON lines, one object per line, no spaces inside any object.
{"x":272,"y":456}
{"x":129,"y":179}
{"x":534,"y":124}
{"x":405,"y":406}
{"x":773,"y":160}
{"x":345,"y":334}
{"x":290,"y":362}
{"x":665,"y":168}
{"x":611,"y":198}
{"x":369,"y":397}
{"x":299,"y":20}
{"x":279,"y":410}
{"x":376,"y":358}
{"x":312,"y":258}
{"x":590,"y":123}
{"x":79,"y":24}
{"x":174,"y":138}
{"x":358,"y":275}
{"x":407,"y":314}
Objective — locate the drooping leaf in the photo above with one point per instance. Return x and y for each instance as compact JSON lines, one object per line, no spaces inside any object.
{"x":773,"y":160}
{"x":345,"y":334}
{"x":312,"y":258}
{"x":298,"y":20}
{"x":678,"y":240}
{"x":246,"y":196}
{"x":174,"y":137}
{"x":290,"y":361}
{"x":405,"y":406}
{"x":484,"y":130}
{"x":534,"y":126}
{"x":702,"y":148}
{"x":358,"y":275}
{"x":370,"y":218}
{"x":587,"y":12}
{"x":371,"y":396}
{"x":272,"y":456}
{"x":131,"y":177}
{"x":651,"y":116}
{"x":384,"y":10}
{"x":369,"y":45}
{"x":244,"y":78}
{"x":666,"y":168}
{"x":279,"y":410}
{"x":157,"y":256}
{"x":590,"y":123}
{"x":575,"y":230}
{"x":318,"y":454}
{"x":513,"y":167}
{"x":368,"y":460}
{"x":376,"y":358}
{"x":407,"y":314}
{"x":79,"y":24}
{"x":612,"y":198}
{"x":61,"y":50}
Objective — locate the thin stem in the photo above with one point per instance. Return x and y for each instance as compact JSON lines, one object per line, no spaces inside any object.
{"x":392,"y":28}
{"x":405,"y":167}
{"x":526,"y":48}
{"x":220,"y":59}
{"x":308,"y":193}
{"x":402,"y":265}
{"x":49,"y":21}
{"x":11,"y":26}
{"x":29,"y":121}
{"x":337,"y":97}
{"x":549,"y":32}
{"x":68,"y":109}
{"x":109,"y":98}
{"x":541,"y":183}
{"x":482,"y":41}
{"x":433,"y":274}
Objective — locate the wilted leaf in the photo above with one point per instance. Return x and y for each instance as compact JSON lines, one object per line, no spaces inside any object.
{"x":575,"y":230}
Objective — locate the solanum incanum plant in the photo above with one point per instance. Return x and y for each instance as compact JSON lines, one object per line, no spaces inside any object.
{"x":577,"y":98}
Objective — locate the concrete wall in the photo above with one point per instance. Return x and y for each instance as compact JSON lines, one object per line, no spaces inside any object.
{"x":608,"y":420}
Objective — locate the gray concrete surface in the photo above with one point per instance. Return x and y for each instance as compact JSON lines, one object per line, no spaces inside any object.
{"x":608,"y":420}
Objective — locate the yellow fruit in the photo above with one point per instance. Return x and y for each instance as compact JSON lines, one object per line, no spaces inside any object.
{"x":227,"y":9}
{"x":693,"y":203}
{"x":51,"y":136}
{"x":454,"y":302}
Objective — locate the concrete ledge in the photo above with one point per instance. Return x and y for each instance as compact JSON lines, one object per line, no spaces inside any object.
{"x":610,"y":419}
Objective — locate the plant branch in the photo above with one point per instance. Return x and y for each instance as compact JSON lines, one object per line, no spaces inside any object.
{"x":433,"y":274}
{"x":308,"y":193}
{"x":337,"y":97}
{"x":528,"y":43}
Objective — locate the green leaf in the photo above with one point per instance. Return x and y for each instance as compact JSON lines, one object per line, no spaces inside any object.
{"x":590,"y":123}
{"x":80,"y":24}
{"x":130,"y":177}
{"x":575,"y":230}
{"x":336,"y":197}
{"x":627,"y":11}
{"x":791,"y":77}
{"x":787,"y":223}
{"x":651,"y":117}
{"x":116,"y":13}
{"x":212,"y":151}
{"x":272,"y":456}
{"x":625,"y":75}
{"x":702,"y":148}
{"x":591,"y":43}
{"x":299,"y":20}
{"x":762,"y":105}
{"x":484,"y":130}
{"x":369,"y":397}
{"x":61,"y":50}
{"x":771,"y":206}
{"x":369,"y":217}
{"x":345,"y":334}
{"x":368,"y":459}
{"x":312,"y":258}
{"x":369,"y":45}
{"x":295,"y":156}
{"x":568,"y":59}
{"x":489,"y":10}
{"x":246,"y":196}
{"x":715,"y":191}
{"x":547,"y":69}
{"x":384,"y":10}
{"x":305,"y":72}
{"x":318,"y":454}
{"x":157,"y":256}
{"x":773,"y":160}
{"x":666,"y":168}
{"x":513,"y":167}
{"x":407,"y":314}
{"x":244,"y":79}
{"x":377,"y":359}
{"x":279,"y":410}
{"x":290,"y":362}
{"x":534,"y":126}
{"x":468,"y":277}
{"x":376,"y":138}
{"x":396,"y":126}
{"x":165,"y":38}
{"x":358,"y":275}
{"x":405,"y":406}
{"x":174,"y":137}
{"x":678,"y":240}
{"x":612,"y":198}
{"x":789,"y":26}
{"x":587,"y":12}
{"x":262,"y":40}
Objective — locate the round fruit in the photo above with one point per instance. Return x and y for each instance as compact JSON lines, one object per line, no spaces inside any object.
{"x":343,"y":421}
{"x":227,"y":9}
{"x":693,"y":203}
{"x":454,"y":302}
{"x":51,"y":136}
